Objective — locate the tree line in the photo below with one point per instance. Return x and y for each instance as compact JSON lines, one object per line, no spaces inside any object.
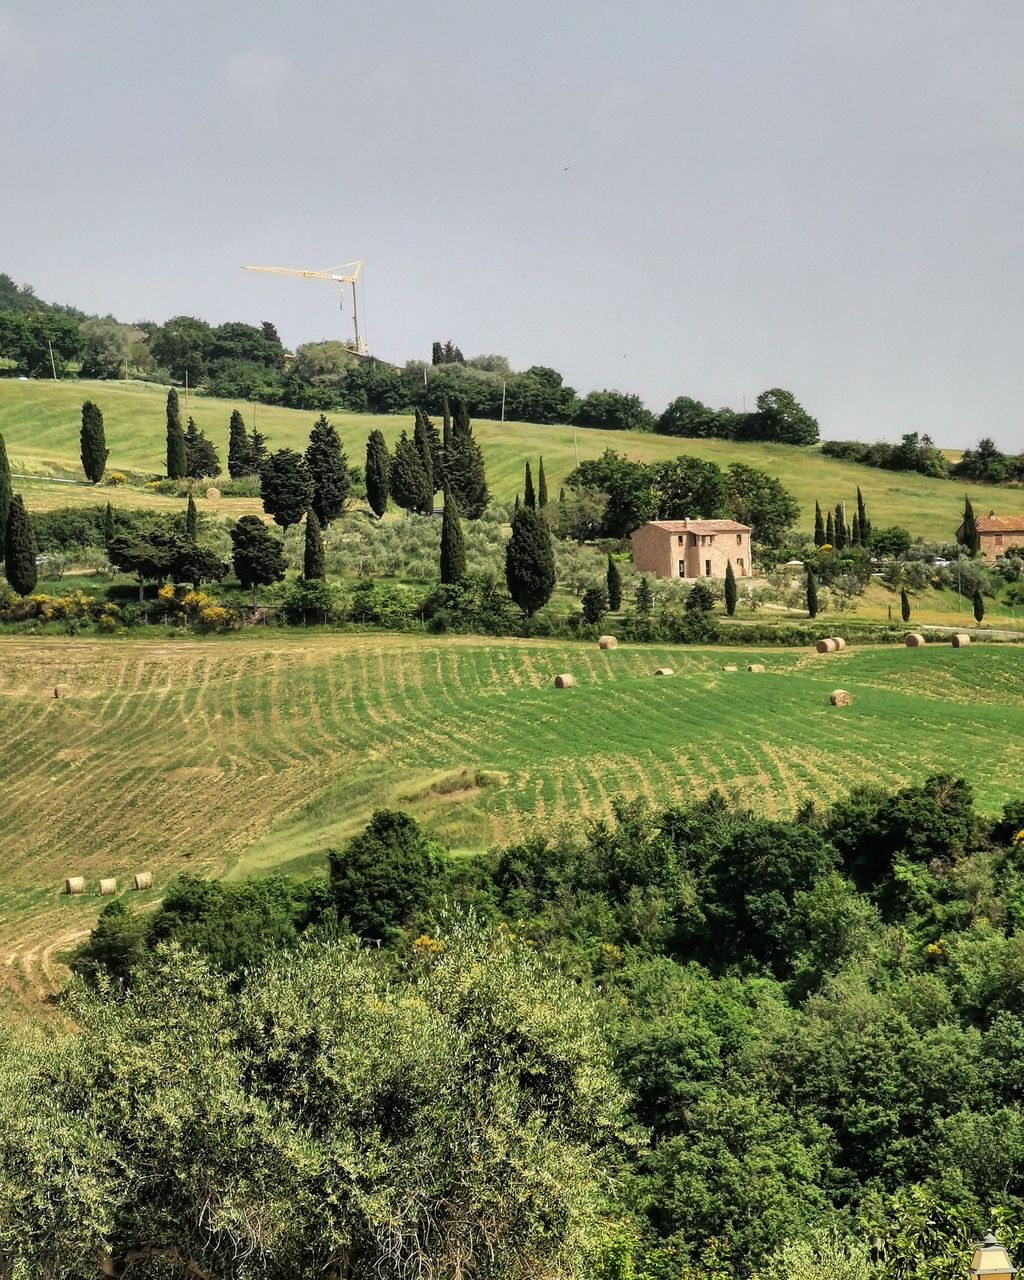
{"x":237,"y":360}
{"x":985,"y":464}
{"x":612,"y":495}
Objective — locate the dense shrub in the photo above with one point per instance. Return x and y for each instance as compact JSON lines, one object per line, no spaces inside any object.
{"x":818,"y":1018}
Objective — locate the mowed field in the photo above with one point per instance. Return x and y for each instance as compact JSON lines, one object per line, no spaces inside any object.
{"x":224,"y":756}
{"x":40,"y":423}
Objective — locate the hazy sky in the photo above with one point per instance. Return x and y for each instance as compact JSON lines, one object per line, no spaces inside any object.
{"x":706,"y":197}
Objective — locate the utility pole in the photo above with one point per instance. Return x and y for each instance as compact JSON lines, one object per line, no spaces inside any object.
{"x":186,"y":388}
{"x":53,"y":367}
{"x":504,"y":384}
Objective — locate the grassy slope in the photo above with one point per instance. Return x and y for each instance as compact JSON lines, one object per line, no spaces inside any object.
{"x":40,"y":422}
{"x":256,"y":751}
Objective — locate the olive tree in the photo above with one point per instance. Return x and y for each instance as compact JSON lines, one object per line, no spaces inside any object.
{"x":338,"y":1116}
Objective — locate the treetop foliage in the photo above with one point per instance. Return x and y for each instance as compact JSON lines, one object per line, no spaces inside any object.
{"x":685,"y":487}
{"x":186,"y":1097}
{"x":818,"y":1020}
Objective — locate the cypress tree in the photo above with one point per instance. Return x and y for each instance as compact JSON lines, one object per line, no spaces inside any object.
{"x":6,"y":493}
{"x":830,"y":532}
{"x":257,"y":450}
{"x":819,"y":526}
{"x":453,"y":548}
{"x":613,"y":585}
{"x":855,"y":534}
{"x":529,"y":497}
{"x":422,"y":441}
{"x":190,"y":519}
{"x":109,"y":528}
{"x":446,"y":420}
{"x":21,"y":549}
{"x":460,"y":417}
{"x":258,"y":556}
{"x":561,"y":497}
{"x":201,"y":457}
{"x":177,"y":457}
{"x":530,"y":561}
{"x":979,"y":606}
{"x":862,"y":517}
{"x":518,"y":505}
{"x":313,"y":553}
{"x":328,"y":466}
{"x":378,"y":473}
{"x":542,"y":487}
{"x":94,"y":443}
{"x":240,"y":460}
{"x":904,"y":605}
{"x":594,"y":604}
{"x":408,"y":479}
{"x":967,"y":534}
{"x":730,"y":589}
{"x":465,"y":472}
{"x":841,"y":538}
{"x":644,"y":597}
{"x":287,"y":487}
{"x":812,"y":594}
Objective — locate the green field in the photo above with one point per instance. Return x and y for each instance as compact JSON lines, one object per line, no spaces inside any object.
{"x":253,"y":752}
{"x":40,"y":423}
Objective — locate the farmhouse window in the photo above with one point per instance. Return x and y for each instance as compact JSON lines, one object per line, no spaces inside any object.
{"x":682,"y":568}
{"x":739,"y":539}
{"x":999,"y":539}
{"x":707,"y":568}
{"x":680,"y":539}
{"x":739,"y":562}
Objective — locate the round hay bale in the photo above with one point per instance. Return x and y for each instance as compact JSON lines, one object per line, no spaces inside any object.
{"x":840,"y":698}
{"x":961,"y":640}
{"x":756,"y":667}
{"x":664,"y":671}
{"x":61,"y":690}
{"x":826,"y":646}
{"x":608,"y":642}
{"x":74,"y":884}
{"x":564,"y":681}
{"x":213,"y":494}
{"x":730,"y":667}
{"x":839,"y":643}
{"x":914,"y":641}
{"x":144,"y":880}
{"x":108,"y":887}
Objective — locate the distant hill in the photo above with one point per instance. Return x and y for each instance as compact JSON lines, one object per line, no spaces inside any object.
{"x":40,"y":421}
{"x":15,"y":297}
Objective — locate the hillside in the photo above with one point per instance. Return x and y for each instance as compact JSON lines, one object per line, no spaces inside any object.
{"x":255,"y":752}
{"x":40,"y":423}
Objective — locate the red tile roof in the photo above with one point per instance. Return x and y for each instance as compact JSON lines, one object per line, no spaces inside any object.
{"x":1000,"y":524}
{"x":704,"y":526}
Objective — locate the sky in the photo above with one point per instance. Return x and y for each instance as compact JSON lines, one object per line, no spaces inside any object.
{"x":700,"y":197}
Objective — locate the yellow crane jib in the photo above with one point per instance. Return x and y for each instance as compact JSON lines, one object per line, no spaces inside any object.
{"x":347,"y":273}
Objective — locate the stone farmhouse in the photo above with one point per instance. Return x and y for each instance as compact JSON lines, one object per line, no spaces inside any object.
{"x":996,"y":534}
{"x":692,"y":548}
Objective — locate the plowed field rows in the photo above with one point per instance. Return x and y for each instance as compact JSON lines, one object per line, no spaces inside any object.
{"x":224,"y":756}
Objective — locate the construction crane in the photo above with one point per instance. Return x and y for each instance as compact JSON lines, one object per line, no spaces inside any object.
{"x":347,"y":273}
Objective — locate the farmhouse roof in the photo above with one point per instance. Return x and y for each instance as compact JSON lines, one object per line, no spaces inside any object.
{"x":1000,"y":524}
{"x":701,"y":526}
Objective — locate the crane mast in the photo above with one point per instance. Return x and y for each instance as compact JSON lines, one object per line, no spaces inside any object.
{"x":347,"y":273}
